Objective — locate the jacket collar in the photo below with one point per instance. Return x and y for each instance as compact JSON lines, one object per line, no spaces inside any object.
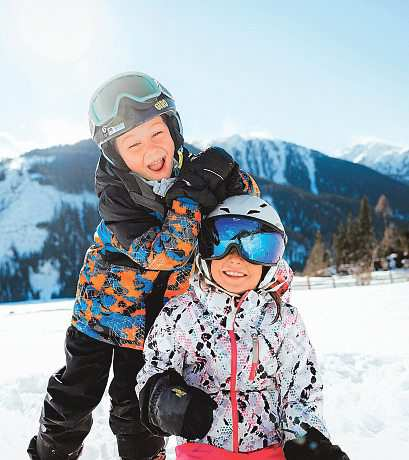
{"x":222,"y":304}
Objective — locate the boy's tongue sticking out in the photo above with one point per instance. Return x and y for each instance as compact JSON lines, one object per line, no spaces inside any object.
{"x":157,"y":165}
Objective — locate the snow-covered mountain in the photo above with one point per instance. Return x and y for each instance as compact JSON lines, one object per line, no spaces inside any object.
{"x":275,"y":160}
{"x":384,"y":158}
{"x":48,"y":209}
{"x":286,"y":163}
{"x":47,"y":218}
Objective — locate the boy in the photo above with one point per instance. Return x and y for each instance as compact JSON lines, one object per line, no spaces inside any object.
{"x":228,"y":363}
{"x":152,"y":194}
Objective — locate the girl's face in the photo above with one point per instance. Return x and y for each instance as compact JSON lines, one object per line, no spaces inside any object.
{"x":148,"y":149}
{"x":235,"y":274}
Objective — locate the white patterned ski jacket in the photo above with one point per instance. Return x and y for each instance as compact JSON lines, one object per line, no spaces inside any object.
{"x":254,"y":360}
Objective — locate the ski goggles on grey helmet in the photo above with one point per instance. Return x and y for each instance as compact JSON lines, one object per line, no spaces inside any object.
{"x":255,"y":241}
{"x":124,"y":102}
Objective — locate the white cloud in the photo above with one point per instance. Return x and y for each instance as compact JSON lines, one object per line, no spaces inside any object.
{"x":47,"y":134}
{"x":229,"y":127}
{"x":59,"y":32}
{"x":10,"y":147}
{"x":54,"y":132}
{"x":259,"y":135}
{"x":372,"y":140}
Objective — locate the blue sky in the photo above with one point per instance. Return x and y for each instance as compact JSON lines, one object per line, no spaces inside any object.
{"x":320,"y":74}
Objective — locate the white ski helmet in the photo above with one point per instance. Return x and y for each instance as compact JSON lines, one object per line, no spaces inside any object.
{"x":251,"y":208}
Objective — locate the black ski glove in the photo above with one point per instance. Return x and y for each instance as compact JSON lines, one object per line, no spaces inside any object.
{"x":208,"y":169}
{"x":171,"y":407}
{"x":201,"y":176}
{"x":313,"y":446}
{"x":233,"y":185}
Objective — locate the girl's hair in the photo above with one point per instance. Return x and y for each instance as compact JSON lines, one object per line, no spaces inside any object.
{"x":279,"y":303}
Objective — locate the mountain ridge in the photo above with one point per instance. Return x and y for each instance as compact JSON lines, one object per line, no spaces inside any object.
{"x":385,"y":158}
{"x":48,"y":208}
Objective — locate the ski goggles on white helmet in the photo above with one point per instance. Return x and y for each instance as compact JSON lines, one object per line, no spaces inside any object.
{"x":254,"y":240}
{"x":124,"y":102}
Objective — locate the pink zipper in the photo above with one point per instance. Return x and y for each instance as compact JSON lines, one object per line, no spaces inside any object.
{"x":233,"y":378}
{"x":254,"y":361}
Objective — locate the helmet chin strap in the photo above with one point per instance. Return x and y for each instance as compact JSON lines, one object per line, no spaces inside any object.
{"x":268,"y":278}
{"x":204,"y":270}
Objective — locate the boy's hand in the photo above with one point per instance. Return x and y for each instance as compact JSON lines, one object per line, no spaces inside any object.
{"x":202,"y":178}
{"x":313,"y":446}
{"x":233,"y":185}
{"x":176,"y":408}
{"x":209,"y":169}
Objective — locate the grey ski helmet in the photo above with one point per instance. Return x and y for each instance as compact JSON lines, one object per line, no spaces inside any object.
{"x":126,"y":101}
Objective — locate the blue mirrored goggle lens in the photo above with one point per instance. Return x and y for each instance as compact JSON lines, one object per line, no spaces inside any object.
{"x":254,"y":244}
{"x":140,"y":88}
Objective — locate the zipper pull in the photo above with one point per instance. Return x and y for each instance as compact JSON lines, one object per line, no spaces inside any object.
{"x":255,"y":359}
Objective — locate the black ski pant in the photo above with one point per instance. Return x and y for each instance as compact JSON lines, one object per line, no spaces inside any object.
{"x":76,"y":389}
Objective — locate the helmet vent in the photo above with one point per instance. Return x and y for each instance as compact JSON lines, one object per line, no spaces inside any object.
{"x":263,"y":205}
{"x":225,"y":210}
{"x":253,"y":211}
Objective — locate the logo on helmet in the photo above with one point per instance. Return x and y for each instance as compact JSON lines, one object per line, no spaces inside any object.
{"x":162,"y":104}
{"x":109,"y":131}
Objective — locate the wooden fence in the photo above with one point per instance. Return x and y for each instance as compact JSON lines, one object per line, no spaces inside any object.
{"x":363,"y":279}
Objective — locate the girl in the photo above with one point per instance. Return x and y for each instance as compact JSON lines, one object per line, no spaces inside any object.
{"x":229,"y":363}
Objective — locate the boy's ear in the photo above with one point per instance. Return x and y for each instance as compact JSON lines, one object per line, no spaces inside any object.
{"x":111,"y":153}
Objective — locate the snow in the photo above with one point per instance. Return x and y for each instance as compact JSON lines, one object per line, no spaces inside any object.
{"x":360,"y":334}
{"x":310,"y":165}
{"x":267,"y":158}
{"x":46,"y":280}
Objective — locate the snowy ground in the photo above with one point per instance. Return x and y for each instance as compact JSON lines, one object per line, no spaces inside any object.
{"x":360,"y":333}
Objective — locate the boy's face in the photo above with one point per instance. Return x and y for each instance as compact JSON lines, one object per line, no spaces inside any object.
{"x":235,"y":274}
{"x":148,"y":149}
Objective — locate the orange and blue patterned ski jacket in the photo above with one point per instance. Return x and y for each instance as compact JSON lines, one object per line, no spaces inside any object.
{"x":141,"y":258}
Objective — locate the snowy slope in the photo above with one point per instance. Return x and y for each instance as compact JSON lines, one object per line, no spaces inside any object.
{"x":384,"y":158}
{"x":360,"y":335}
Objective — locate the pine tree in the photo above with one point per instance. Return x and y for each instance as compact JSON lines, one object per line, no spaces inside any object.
{"x":318,"y":258}
{"x":340,"y":245}
{"x":352,"y":240}
{"x":383,"y":209}
{"x":391,"y":241}
{"x":365,"y":236}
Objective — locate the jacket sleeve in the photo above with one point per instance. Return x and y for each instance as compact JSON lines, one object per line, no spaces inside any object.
{"x":136,"y":232}
{"x":163,"y":349}
{"x":299,"y":379}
